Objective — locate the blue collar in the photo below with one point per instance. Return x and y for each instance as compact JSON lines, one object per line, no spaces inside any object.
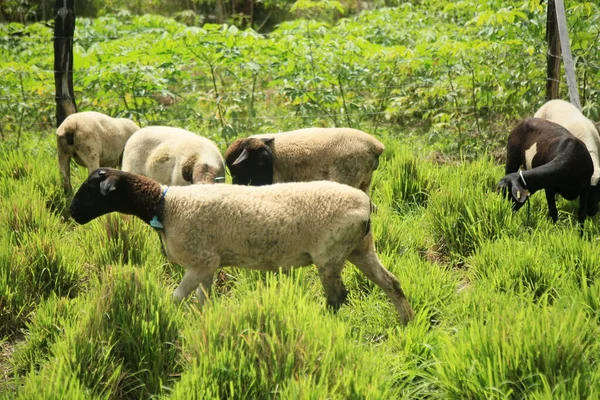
{"x":154,"y":222}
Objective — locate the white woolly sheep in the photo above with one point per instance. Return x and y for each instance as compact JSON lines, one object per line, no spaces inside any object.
{"x":568,"y":116}
{"x":553,"y":160}
{"x":93,"y":140}
{"x":204,"y":227}
{"x":342,"y":155}
{"x":173,"y":156}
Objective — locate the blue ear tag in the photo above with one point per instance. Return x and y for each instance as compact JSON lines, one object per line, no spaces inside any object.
{"x":155,"y":223}
{"x":219,"y":178}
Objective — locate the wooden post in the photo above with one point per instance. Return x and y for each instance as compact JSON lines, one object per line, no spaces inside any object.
{"x":553,"y":56}
{"x":64,"y":29}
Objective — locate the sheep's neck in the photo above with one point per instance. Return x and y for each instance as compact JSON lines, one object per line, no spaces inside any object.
{"x":145,"y":199}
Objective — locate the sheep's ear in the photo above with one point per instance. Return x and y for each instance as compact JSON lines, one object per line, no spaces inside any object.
{"x":267,"y":140}
{"x":108,"y":185}
{"x":245,"y":154}
{"x":519,"y":193}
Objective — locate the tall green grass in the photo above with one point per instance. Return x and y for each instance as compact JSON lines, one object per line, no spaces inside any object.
{"x":275,"y":341}
{"x":514,"y":351}
{"x":125,"y":343}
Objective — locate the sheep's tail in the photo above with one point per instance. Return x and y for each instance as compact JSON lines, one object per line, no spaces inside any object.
{"x":377,"y":151}
{"x":67,"y":131}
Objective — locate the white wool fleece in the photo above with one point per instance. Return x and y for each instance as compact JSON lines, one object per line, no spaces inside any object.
{"x":567,"y":115}
{"x":173,"y":156}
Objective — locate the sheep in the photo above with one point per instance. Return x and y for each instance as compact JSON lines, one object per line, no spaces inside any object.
{"x":568,"y":116}
{"x":173,"y":156}
{"x":553,"y":160}
{"x":93,"y":139}
{"x":204,"y":227}
{"x":342,"y":155}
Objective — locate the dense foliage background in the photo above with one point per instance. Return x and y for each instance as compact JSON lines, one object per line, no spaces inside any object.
{"x":507,"y":305}
{"x":455,"y":73}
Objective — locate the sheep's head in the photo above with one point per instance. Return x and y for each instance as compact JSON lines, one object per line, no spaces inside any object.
{"x":512,"y":186}
{"x":96,"y":196}
{"x":107,"y":190}
{"x":250,"y":161}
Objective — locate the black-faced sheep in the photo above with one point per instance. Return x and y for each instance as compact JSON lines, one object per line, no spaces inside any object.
{"x":569,"y":117}
{"x":553,"y":160}
{"x":173,"y":156}
{"x":205,"y":227}
{"x":342,"y":155}
{"x":93,"y":139}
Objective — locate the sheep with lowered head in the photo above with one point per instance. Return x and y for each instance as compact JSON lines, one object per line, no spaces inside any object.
{"x":342,"y":155}
{"x":93,"y":139}
{"x":173,"y":156}
{"x":204,"y":227}
{"x":553,"y":160}
{"x":567,"y":115}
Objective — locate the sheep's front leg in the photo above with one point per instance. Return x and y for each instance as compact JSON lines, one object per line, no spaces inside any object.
{"x":203,"y":290}
{"x":330,"y":274}
{"x":551,"y":200}
{"x":198,"y":276}
{"x":191,"y":280}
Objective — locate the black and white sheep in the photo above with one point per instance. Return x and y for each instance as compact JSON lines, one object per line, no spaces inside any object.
{"x":342,"y":155}
{"x":204,"y":227}
{"x":569,"y":117}
{"x":93,"y":140}
{"x":553,"y":160}
{"x":173,"y":156}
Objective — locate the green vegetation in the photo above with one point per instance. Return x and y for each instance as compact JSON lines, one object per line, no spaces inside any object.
{"x":507,"y":305}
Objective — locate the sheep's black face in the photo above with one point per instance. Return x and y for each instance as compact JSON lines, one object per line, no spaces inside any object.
{"x":251,"y":163}
{"x":95,"y":197}
{"x":510,"y":186}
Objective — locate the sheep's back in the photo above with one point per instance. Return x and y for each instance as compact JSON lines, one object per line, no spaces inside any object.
{"x":568,"y":116}
{"x":94,"y":131}
{"x":267,"y":222}
{"x":342,"y":155}
{"x":160,"y":153}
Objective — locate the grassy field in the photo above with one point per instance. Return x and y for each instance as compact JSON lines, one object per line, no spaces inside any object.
{"x":507,"y":305}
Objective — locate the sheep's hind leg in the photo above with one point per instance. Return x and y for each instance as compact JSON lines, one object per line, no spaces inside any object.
{"x":64,"y":160}
{"x":366,"y":260}
{"x":330,"y":274}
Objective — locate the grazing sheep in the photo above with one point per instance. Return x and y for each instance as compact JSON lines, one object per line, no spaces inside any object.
{"x":569,"y":116}
{"x":93,"y":139}
{"x":342,"y":155}
{"x":553,"y":160}
{"x":204,"y":227}
{"x":173,"y":156}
